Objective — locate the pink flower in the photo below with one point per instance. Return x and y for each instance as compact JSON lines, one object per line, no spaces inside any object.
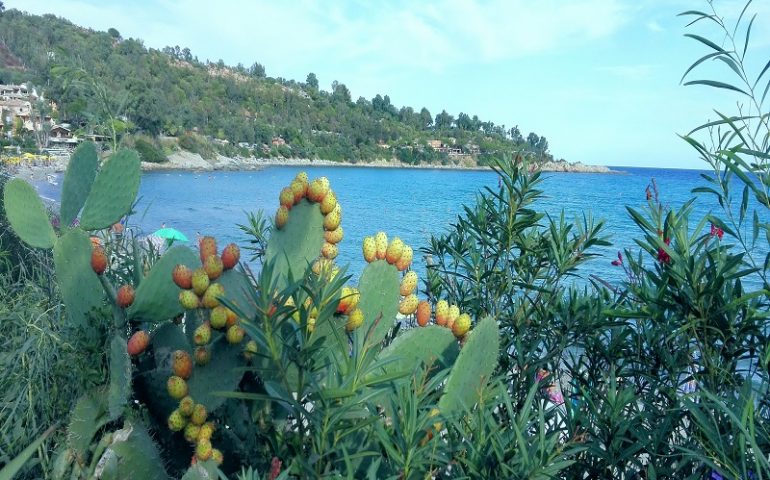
{"x":664,"y":257}
{"x":717,"y":232}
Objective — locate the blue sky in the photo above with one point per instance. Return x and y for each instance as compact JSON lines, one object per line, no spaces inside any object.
{"x":599,"y":78}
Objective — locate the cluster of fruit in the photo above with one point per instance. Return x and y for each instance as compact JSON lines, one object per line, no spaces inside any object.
{"x":396,"y":253}
{"x":189,"y":416}
{"x":446,"y":315}
{"x":125,"y":294}
{"x":317,"y":191}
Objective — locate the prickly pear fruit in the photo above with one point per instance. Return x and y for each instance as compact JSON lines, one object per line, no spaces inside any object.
{"x":218,"y":317}
{"x":202,"y":356}
{"x":182,"y":364}
{"x":322,"y":266}
{"x":191,"y":432}
{"x":406,"y":258}
{"x":355,"y":320}
{"x":324,"y":182}
{"x":138,"y":343}
{"x":235,"y":334}
{"x":408,"y":283}
{"x":177,"y":387}
{"x":370,"y":249}
{"x":182,"y":276}
{"x":186,"y":406}
{"x":298,"y":189}
{"x":176,"y":421}
{"x":328,"y":203}
{"x":199,"y":414}
{"x":125,"y":296}
{"x":381,"y":242}
{"x":211,"y":296}
{"x":454,"y":312}
{"x":332,"y":219}
{"x":208,"y":247}
{"x":408,"y":305}
{"x":346,"y":296}
{"x":329,"y":251}
{"x":217,"y":456}
{"x":423,"y":313}
{"x":232,"y":318}
{"x":207,"y":430}
{"x":98,"y":260}
{"x":442,"y":312}
{"x":461,"y":325}
{"x":203,"y":450}
{"x":250,"y":349}
{"x":214,"y":267}
{"x":310,"y":324}
{"x":202,"y":334}
{"x":281,"y":217}
{"x":286,"y":197}
{"x":334,"y":236}
{"x":393,"y":252}
{"x":200,"y":281}
{"x":189,"y":300}
{"x":230,"y":256}
{"x":316,"y":191}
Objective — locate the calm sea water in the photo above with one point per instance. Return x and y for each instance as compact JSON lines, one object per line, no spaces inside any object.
{"x":411,"y":204}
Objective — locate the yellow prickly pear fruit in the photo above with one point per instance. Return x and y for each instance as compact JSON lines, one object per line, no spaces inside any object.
{"x":301,"y":177}
{"x":329,"y":251}
{"x":334,"y":236}
{"x":203,"y":450}
{"x":406,"y":258}
{"x":461,"y":325}
{"x":211,"y":296}
{"x":408,"y":283}
{"x":176,"y":421}
{"x":332,"y":219}
{"x":355,"y":320}
{"x":214,"y":267}
{"x":325,"y":182}
{"x":217,"y":456}
{"x":442,"y":312}
{"x":370,"y":249}
{"x":381,"y":242}
{"x":235,"y":334}
{"x":200,"y":281}
{"x":218,"y":317}
{"x":202,"y":334}
{"x":344,"y":299}
{"x":199,"y":414}
{"x":286,"y":197}
{"x":454,"y":312}
{"x":189,"y":300}
{"x":394,"y":250}
{"x":191,"y":432}
{"x":316,"y":191}
{"x":281,"y":217}
{"x":202,"y":356}
{"x":423,"y":313}
{"x":329,"y":202}
{"x":176,"y":387}
{"x":408,"y":305}
{"x":186,"y":406}
{"x":298,"y":189}
{"x":206,"y":431}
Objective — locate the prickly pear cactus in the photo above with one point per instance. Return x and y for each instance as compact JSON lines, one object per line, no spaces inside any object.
{"x":113,"y":191}
{"x":27,"y":215}
{"x":296,"y":246}
{"x":431,"y":345}
{"x":80,"y":287}
{"x":379,"y":301}
{"x":78,"y":179}
{"x":131,"y":454}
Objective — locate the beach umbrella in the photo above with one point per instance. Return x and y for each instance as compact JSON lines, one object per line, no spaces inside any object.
{"x":170,"y":234}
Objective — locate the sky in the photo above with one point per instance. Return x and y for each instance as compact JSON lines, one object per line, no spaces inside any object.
{"x":601,"y":79}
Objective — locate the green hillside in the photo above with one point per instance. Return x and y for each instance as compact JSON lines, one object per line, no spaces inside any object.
{"x":100,"y":80}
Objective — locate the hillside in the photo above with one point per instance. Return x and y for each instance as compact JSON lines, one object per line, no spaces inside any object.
{"x":100,"y":80}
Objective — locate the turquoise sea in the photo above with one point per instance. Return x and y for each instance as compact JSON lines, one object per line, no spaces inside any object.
{"x":409,"y":203}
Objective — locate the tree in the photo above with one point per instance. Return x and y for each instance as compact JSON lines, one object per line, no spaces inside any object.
{"x":426,"y":119}
{"x":516,"y":136}
{"x":2,"y":7}
{"x":340,"y":92}
{"x":112,"y":32}
{"x":533,"y":139}
{"x":312,"y":81}
{"x":464,"y":122}
{"x":257,"y":70}
{"x":444,"y":120}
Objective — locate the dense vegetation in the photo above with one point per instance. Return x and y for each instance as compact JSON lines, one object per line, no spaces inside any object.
{"x":663,"y":376}
{"x":170,"y":91}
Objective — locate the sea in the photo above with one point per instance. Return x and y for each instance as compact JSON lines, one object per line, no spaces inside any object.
{"x":413,"y":204}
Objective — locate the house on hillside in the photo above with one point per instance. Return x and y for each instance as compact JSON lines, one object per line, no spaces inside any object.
{"x":278,"y":141}
{"x":62,"y":136}
{"x":434,"y":144}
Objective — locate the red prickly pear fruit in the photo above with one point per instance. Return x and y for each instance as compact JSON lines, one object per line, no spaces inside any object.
{"x":286,"y":197}
{"x":199,"y":414}
{"x":345,"y":297}
{"x":176,"y":387}
{"x":98,"y":260}
{"x":186,"y":406}
{"x":442,"y":312}
{"x":281,"y":217}
{"x":218,"y":317}
{"x":200,"y":281}
{"x":408,"y":305}
{"x":329,"y":251}
{"x":212,"y":295}
{"x":316,"y":191}
{"x":230,"y":256}
{"x":394,"y":250}
{"x":454,"y":313}
{"x":138,"y":343}
{"x":182,"y":364}
{"x":189,"y":300}
{"x":202,"y":356}
{"x":298,"y":189}
{"x":235,"y":334}
{"x":332,"y":219}
{"x":203,"y":450}
{"x":217,"y":456}
{"x":406,"y":258}
{"x":182,"y":276}
{"x":328,"y":203}
{"x":202,"y":334}
{"x":355,"y":320}
{"x":408,"y":283}
{"x":208,"y":247}
{"x":381,"y":242}
{"x":370,"y":249}
{"x":214,"y":267}
{"x":461,"y":325}
{"x":334,"y":236}
{"x":423,"y":313}
{"x":176,"y":421}
{"x":125,"y":296}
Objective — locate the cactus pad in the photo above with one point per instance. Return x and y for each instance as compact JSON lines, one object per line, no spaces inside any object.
{"x":80,"y":287}
{"x":113,"y":191}
{"x":78,"y":179}
{"x":88,"y":416}
{"x":27,"y":215}
{"x":474,"y":366}
{"x":120,"y":377}
{"x":132,"y":454}
{"x":379,"y":288}
{"x":298,"y":243}
{"x":428,"y":345}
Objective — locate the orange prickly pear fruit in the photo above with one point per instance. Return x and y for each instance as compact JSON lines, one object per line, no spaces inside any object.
{"x":230,"y":256}
{"x":381,"y":242}
{"x":125,"y":296}
{"x":394,"y":250}
{"x":286,"y":197}
{"x":182,"y":364}
{"x":442,"y":312}
{"x":423,"y":313}
{"x":334,"y":236}
{"x":138,"y":343}
{"x":208,"y":247}
{"x":406,"y":258}
{"x":182,"y":276}
{"x":298,"y":189}
{"x":281,"y":217}
{"x":98,"y":260}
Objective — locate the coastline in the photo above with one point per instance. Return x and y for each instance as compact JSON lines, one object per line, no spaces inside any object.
{"x":186,"y":161}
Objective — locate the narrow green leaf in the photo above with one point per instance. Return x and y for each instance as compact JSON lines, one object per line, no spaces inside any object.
{"x":706,"y":42}
{"x":716,"y":84}
{"x":13,"y":467}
